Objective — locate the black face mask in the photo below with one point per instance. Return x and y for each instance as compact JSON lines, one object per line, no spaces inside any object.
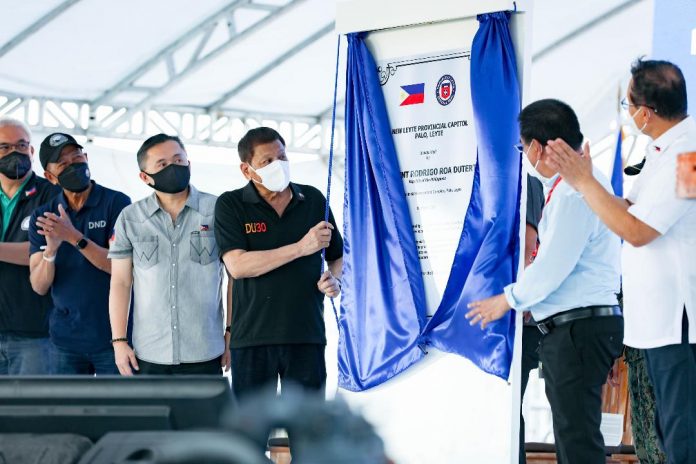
{"x":15,"y":165}
{"x":75,"y":178}
{"x":172,"y":179}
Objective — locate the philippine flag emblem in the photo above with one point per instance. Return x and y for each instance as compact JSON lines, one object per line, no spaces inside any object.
{"x":413,"y":94}
{"x":204,"y":228}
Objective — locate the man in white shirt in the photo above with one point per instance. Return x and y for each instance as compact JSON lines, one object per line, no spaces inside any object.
{"x":570,"y":289}
{"x":659,"y":253}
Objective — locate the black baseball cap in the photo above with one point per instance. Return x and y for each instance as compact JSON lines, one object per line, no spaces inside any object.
{"x":53,"y":145}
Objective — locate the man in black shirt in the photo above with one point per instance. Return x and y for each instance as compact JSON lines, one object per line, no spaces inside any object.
{"x":23,"y":313}
{"x":271,"y":233}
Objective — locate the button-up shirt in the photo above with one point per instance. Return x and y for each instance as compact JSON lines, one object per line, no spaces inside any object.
{"x":660,"y":277}
{"x":578,"y":263}
{"x":79,"y":320}
{"x":178,"y":315}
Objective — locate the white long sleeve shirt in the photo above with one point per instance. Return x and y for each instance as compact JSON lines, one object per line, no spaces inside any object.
{"x":579,"y":259}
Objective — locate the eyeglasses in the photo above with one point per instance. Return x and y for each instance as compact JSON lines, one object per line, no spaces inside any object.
{"x":22,"y":146}
{"x":625,"y":105}
{"x":519,"y":148}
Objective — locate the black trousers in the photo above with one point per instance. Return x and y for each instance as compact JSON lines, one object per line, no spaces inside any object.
{"x":257,"y":367}
{"x":672,"y":371}
{"x":576,"y":358}
{"x":531,"y":336}
{"x":211,"y":367}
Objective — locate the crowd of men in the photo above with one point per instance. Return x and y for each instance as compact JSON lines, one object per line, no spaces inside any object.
{"x":91,"y":283}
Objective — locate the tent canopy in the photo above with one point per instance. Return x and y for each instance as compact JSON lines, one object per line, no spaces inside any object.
{"x":212,"y":68}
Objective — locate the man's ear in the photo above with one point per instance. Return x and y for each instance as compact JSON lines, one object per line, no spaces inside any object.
{"x":536,"y":147}
{"x":50,"y":177}
{"x":248,"y":173}
{"x":145,"y":178}
{"x":648,"y":114}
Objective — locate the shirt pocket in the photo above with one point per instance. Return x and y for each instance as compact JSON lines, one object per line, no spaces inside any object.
{"x":204,"y":249}
{"x":145,"y":251}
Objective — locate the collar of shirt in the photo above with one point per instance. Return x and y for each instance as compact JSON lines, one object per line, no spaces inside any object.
{"x":7,"y":199}
{"x":152,"y":205}
{"x":663,"y":142}
{"x":251,"y":195}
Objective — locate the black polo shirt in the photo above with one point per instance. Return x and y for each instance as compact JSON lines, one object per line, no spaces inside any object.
{"x":283,"y":306}
{"x":80,"y":317}
{"x":23,"y":312}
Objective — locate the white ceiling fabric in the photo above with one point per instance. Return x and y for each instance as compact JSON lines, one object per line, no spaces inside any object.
{"x":94,"y":44}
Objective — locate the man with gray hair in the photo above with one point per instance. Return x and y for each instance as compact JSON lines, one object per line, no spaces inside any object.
{"x":23,"y":313}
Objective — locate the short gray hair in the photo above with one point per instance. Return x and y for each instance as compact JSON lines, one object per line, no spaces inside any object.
{"x":12,"y":122}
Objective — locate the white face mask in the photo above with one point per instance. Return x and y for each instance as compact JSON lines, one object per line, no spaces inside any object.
{"x":632,"y":122}
{"x":275,"y":176}
{"x":532,"y":170}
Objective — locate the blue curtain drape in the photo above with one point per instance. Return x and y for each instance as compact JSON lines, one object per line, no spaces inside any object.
{"x":383,"y":303}
{"x":617,"y":170}
{"x":383,"y":327}
{"x":487,"y":256}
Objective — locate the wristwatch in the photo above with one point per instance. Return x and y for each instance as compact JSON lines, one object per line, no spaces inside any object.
{"x":81,"y":244}
{"x":228,"y":329}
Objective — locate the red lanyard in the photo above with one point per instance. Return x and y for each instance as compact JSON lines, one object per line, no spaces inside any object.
{"x":555,"y":184}
{"x":548,"y":199}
